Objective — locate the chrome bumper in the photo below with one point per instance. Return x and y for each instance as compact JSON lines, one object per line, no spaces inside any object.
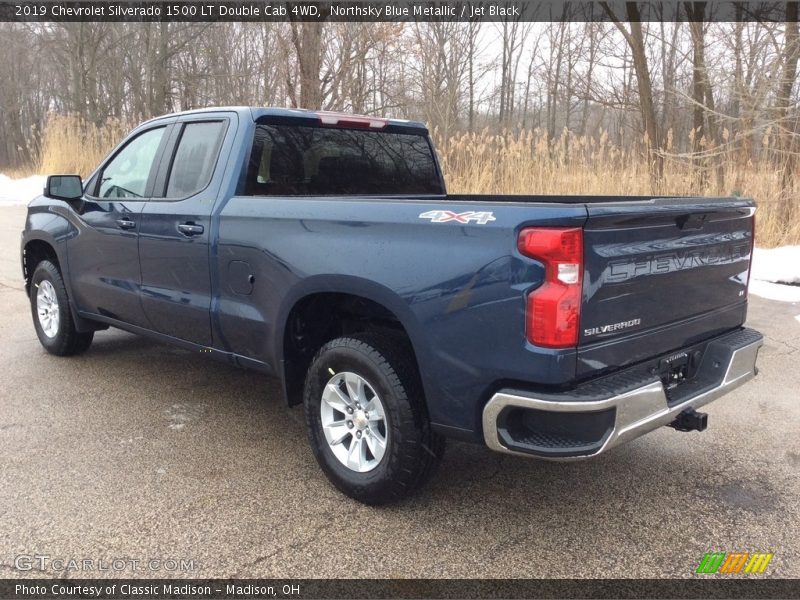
{"x":636,"y":411}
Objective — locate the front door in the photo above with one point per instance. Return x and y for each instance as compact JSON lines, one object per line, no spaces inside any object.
{"x":103,"y":256}
{"x":175,"y":232}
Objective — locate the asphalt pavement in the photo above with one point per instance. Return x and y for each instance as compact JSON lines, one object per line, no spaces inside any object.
{"x":137,"y":451}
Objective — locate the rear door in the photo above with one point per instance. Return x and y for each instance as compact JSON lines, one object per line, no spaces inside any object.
{"x":661,"y":274}
{"x":175,"y":230}
{"x":103,"y":257}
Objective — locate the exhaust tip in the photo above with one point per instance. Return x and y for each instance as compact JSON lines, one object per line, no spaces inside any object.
{"x":690,"y":420}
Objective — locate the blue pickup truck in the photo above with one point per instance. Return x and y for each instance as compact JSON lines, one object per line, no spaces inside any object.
{"x":322,"y":249}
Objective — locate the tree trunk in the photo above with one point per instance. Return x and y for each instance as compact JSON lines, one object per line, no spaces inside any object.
{"x":788,"y":134}
{"x":635,"y":39}
{"x":307,"y":40}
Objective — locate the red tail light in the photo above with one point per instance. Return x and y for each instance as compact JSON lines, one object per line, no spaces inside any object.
{"x":554,"y":308}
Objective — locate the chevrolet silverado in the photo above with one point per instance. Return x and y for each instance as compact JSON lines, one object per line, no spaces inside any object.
{"x":322,"y":249}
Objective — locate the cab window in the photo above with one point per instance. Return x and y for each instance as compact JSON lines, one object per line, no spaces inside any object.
{"x":195,"y":158}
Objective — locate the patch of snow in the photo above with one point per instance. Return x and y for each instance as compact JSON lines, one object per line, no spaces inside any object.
{"x":20,"y":191}
{"x":772,"y":270}
{"x":774,"y":291}
{"x":778,"y":265}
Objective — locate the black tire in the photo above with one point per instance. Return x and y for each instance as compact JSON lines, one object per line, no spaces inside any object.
{"x":66,"y":341}
{"x":412,"y":448}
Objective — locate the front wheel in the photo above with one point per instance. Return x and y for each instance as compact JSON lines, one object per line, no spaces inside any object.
{"x":52,"y":317}
{"x":366,"y":418}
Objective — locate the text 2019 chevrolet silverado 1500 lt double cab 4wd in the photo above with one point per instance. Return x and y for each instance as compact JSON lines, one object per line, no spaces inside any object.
{"x":323,"y":249}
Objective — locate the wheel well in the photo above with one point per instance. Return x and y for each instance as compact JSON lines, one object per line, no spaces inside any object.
{"x":320,"y":318}
{"x":35,"y":252}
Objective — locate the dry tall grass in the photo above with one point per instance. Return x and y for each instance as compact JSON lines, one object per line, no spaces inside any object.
{"x":72,"y":145}
{"x":517,"y":163}
{"x":524,"y":163}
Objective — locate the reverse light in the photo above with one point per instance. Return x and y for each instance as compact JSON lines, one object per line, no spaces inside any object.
{"x":553,"y":310}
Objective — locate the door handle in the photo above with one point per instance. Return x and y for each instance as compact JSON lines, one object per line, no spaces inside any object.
{"x":190,"y":229}
{"x":125,"y":223}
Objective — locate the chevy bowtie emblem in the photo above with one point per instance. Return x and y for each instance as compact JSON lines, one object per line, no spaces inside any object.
{"x":445,"y":216}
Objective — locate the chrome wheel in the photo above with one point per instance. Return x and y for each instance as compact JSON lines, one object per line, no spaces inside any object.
{"x":47,"y":308}
{"x":354,"y":422}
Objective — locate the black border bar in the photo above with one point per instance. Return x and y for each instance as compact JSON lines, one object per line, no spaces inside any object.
{"x":713,"y":587}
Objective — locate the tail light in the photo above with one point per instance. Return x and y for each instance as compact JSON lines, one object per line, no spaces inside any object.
{"x":553,"y":310}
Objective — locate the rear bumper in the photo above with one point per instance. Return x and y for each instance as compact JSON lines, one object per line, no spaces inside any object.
{"x":609,"y":411}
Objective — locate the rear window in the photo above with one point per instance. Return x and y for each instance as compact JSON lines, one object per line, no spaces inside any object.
{"x":289,"y":160}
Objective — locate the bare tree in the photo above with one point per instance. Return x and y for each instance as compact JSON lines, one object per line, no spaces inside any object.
{"x":307,"y":42}
{"x":635,"y":40}
{"x":789,"y":133}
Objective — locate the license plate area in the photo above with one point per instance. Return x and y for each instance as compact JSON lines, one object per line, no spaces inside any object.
{"x":677,"y":368}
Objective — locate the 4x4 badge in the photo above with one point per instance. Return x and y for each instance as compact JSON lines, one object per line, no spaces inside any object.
{"x":444,"y":216}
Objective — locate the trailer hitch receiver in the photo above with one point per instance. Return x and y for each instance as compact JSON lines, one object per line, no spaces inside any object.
{"x":690,"y":420}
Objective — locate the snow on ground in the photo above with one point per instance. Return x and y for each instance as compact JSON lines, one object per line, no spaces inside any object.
{"x":20,"y":191}
{"x":772,"y":269}
{"x":779,"y":265}
{"x":775,"y":291}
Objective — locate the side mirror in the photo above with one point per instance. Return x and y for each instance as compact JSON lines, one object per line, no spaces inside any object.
{"x":64,"y":187}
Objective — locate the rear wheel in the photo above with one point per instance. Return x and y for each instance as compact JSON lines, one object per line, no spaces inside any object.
{"x":366,"y":418}
{"x":52,"y":317}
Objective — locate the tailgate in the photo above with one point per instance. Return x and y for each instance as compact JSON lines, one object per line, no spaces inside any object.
{"x":660,"y":275}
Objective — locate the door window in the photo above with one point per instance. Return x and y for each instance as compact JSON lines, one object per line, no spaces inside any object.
{"x":127,"y":174}
{"x":195,"y":158}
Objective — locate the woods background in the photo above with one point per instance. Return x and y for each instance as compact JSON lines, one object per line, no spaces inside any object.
{"x":616,"y":107}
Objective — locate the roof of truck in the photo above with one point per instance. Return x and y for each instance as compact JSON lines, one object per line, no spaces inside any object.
{"x":257,"y":113}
